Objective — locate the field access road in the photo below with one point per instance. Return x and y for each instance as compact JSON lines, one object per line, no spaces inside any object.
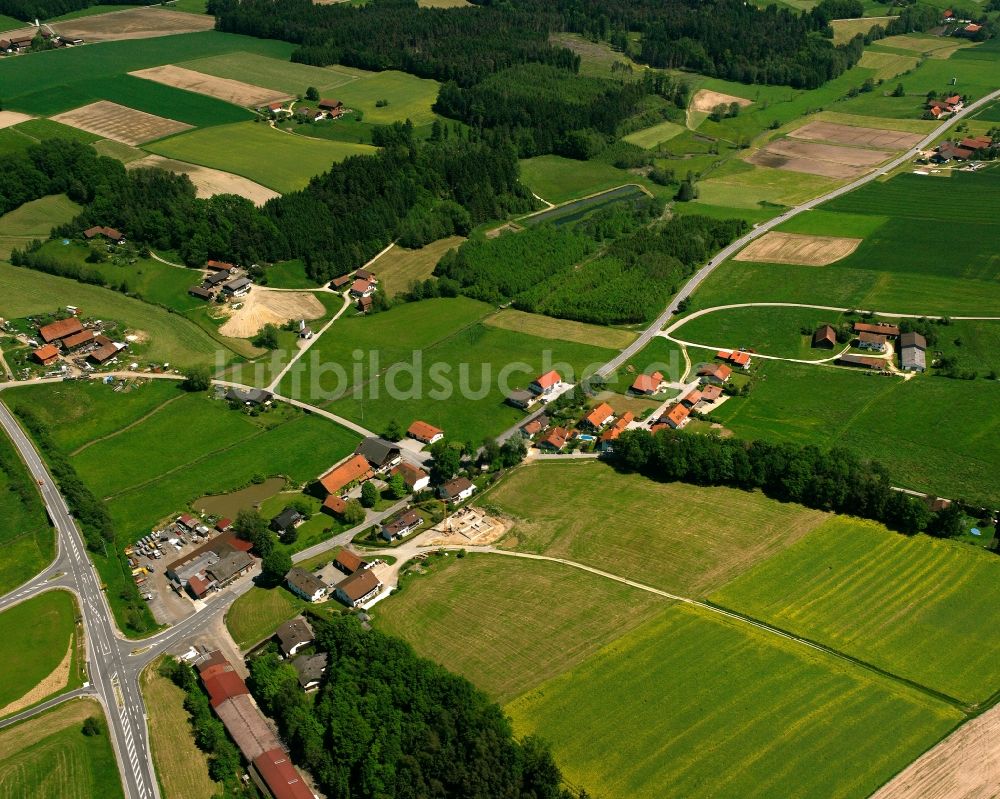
{"x":117,"y":690}
{"x":699,"y":277}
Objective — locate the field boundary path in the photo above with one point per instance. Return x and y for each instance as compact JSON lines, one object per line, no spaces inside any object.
{"x":702,"y":274}
{"x":309,"y":342}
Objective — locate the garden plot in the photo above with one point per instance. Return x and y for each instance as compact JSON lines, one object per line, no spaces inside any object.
{"x":133,"y":23}
{"x":210,"y":182}
{"x":794,"y":248}
{"x":232,"y":91}
{"x":263,"y":307}
{"x":120,"y":123}
{"x":813,"y":158}
{"x":856,"y":136}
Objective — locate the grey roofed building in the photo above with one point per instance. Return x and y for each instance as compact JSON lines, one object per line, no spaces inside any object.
{"x":255,"y":396}
{"x":286,"y":520}
{"x":293,"y":635}
{"x":381,"y":454}
{"x":912,"y":340}
{"x":185,"y":570}
{"x":230,"y":566}
{"x":238,"y":285}
{"x":215,"y":279}
{"x":521,"y":398}
{"x":310,"y":669}
{"x":913,"y":359}
{"x":200,"y":293}
{"x":306,"y":584}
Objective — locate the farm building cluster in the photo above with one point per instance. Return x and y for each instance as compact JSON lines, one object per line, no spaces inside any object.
{"x":361,"y":286}
{"x":348,"y":579}
{"x":67,"y":343}
{"x":326,"y":108}
{"x":968,"y":149}
{"x":223,"y":281}
{"x":40,"y":40}
{"x":881,"y":338}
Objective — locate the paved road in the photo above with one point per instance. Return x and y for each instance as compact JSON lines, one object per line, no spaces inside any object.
{"x":699,"y":277}
{"x":116,"y":686}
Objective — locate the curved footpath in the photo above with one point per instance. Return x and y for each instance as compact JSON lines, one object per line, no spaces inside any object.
{"x":699,"y":277}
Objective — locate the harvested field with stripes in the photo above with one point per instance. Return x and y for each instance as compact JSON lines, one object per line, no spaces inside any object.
{"x":232,"y":91}
{"x":134,"y":23}
{"x":796,"y":248}
{"x":814,"y":158}
{"x":856,"y":136}
{"x":120,"y":123}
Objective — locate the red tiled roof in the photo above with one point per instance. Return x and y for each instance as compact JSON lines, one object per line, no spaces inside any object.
{"x":198,"y":586}
{"x":711,"y":393}
{"x":60,"y":329}
{"x":359,"y":584}
{"x":885,"y":330}
{"x":223,"y":686}
{"x":223,"y":524}
{"x":411,"y":474}
{"x":647,"y":384}
{"x":78,"y":338}
{"x":46,"y":353}
{"x":356,"y":468}
{"x":600,"y":415}
{"x":219,"y":266}
{"x":360,"y":286}
{"x":677,"y":414}
{"x":283,"y":780}
{"x":423,"y":431}
{"x":349,"y":560}
{"x":740,"y":358}
{"x":693,"y":397}
{"x":618,"y":427}
{"x":237,"y":543}
{"x":556,"y":438}
{"x":977,"y":143}
{"x":104,"y":353}
{"x":718,"y":371}
{"x":548,"y":379}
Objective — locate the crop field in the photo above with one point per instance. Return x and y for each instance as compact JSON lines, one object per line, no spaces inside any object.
{"x":479,"y":617}
{"x":27,"y":542}
{"x":48,"y":757}
{"x":718,"y":708}
{"x":117,"y":122}
{"x":133,"y":23}
{"x":399,"y":267}
{"x":771,"y":331}
{"x":276,"y":160}
{"x":691,"y":539}
{"x":277,"y":73}
{"x":62,"y":79}
{"x":41,"y":129}
{"x":739,"y":184}
{"x":856,"y":135}
{"x":549,"y":327}
{"x":795,"y":248}
{"x":825,"y":160}
{"x":231,"y":91}
{"x":182,"y":768}
{"x":846,"y":29}
{"x":887,"y":65}
{"x":257,"y":614}
{"x":917,"y":607}
{"x":171,"y":338}
{"x":34,"y":220}
{"x":989,"y":114}
{"x":449,"y":370}
{"x":657,"y":134}
{"x":830,"y":406}
{"x":36,"y":636}
{"x":207,"y":182}
{"x":575,"y":211}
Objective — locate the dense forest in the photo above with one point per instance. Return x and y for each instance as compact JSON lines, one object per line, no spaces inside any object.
{"x":630,"y":279}
{"x":387,"y":723}
{"x":30,"y":10}
{"x":724,"y":38}
{"x":835,"y":480}
{"x":341,"y":219}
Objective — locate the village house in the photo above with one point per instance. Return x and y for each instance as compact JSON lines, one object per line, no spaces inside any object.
{"x":109,"y":233}
{"x":677,"y":416}
{"x":692,"y":398}
{"x":340,"y":282}
{"x":249,"y":396}
{"x":861,"y":361}
{"x":46,"y":354}
{"x":381,"y":455}
{"x":215,"y":280}
{"x":825,"y":337}
{"x":401,"y":525}
{"x":424,"y":432}
{"x":334,"y":506}
{"x":365,"y":274}
{"x":78,"y":340}
{"x":599,"y":416}
{"x":237,"y":288}
{"x":200,"y":293}
{"x":223,"y":525}
{"x":351,"y":471}
{"x":334,"y":108}
{"x":555,"y":441}
{"x":714,"y":373}
{"x":736,"y":357}
{"x":871,"y":341}
{"x":546,"y":384}
{"x":293,"y":635}
{"x":976,"y":143}
{"x":415,"y":478}
{"x":912,"y":352}
{"x":305,"y":584}
{"x":310,"y":669}
{"x":229,"y":567}
{"x":287,"y":520}
{"x":886,"y":329}
{"x":364,"y":304}
{"x":521,"y":398}
{"x":348,"y":562}
{"x":63,"y":328}
{"x":533,"y":427}
{"x":359,"y":589}
{"x":362,"y":288}
{"x":104,"y":353}
{"x":609,"y":436}
{"x":710,"y":393}
{"x":648,"y":384}
{"x":949,"y":151}
{"x":457,"y":490}
{"x":219,"y":266}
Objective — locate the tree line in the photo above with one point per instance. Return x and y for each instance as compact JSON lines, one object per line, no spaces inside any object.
{"x":30,"y":10}
{"x":388,"y":723}
{"x":834,"y":480}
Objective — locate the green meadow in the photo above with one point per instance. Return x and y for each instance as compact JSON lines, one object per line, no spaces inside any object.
{"x":917,"y":607}
{"x":274,"y":159}
{"x":34,"y":220}
{"x":27,"y":542}
{"x":694,"y":705}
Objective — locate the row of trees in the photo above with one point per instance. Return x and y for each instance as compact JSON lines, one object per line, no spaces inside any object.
{"x":388,"y":723}
{"x":30,"y":10}
{"x":835,"y":480}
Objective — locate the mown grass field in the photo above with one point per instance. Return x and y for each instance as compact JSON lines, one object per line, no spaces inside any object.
{"x":676,"y":537}
{"x":771,"y":331}
{"x":409,"y":97}
{"x":654,"y":135}
{"x":274,"y":159}
{"x":48,"y":757}
{"x":916,"y":607}
{"x":739,"y":184}
{"x":887,"y":419}
{"x":172,"y":338}
{"x":35,"y":636}
{"x":289,"y":275}
{"x":480,"y":617}
{"x":59,"y":78}
{"x":276,"y":73}
{"x":34,"y":220}
{"x":692,"y":705}
{"x":27,"y":542}
{"x":558,"y":179}
{"x":257,"y":614}
{"x":562,"y":329}
{"x":181,"y":767}
{"x":42,"y":129}
{"x":399,"y":267}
